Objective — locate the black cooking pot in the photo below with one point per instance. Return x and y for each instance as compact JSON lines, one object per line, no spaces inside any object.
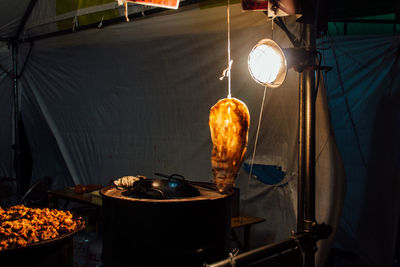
{"x":168,"y":187}
{"x":180,"y":232}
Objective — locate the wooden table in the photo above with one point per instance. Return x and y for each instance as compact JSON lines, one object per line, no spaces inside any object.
{"x":68,"y":194}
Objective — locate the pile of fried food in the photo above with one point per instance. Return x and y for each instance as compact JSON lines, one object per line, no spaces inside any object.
{"x":21,"y":226}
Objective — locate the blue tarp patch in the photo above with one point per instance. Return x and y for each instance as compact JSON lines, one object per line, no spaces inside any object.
{"x":268,"y":174}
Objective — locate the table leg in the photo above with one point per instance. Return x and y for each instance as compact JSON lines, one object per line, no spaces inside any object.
{"x":246,"y":237}
{"x":66,"y":204}
{"x":236,"y":239}
{"x":53,"y":201}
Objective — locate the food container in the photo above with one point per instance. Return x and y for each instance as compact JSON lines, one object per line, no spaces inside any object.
{"x":49,"y":253}
{"x":183,"y":231}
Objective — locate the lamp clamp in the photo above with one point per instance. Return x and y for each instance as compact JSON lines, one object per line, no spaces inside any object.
{"x":301,"y":59}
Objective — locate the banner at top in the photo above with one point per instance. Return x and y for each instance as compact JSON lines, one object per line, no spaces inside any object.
{"x":274,"y":7}
{"x":255,"y":5}
{"x":158,"y":3}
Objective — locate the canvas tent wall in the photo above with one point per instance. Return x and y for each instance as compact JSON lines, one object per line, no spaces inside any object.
{"x":363,"y":90}
{"x":133,"y":98}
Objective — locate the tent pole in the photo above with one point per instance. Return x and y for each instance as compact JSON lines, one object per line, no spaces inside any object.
{"x":17,"y":113}
{"x":309,"y":122}
{"x":301,"y":160}
{"x":16,"y":146}
{"x":24,"y":19}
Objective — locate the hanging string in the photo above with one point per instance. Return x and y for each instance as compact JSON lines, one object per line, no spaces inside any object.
{"x":254,"y":151}
{"x":101,"y":23}
{"x":75,"y":23}
{"x":272,"y":27}
{"x":126,"y":11}
{"x":257,"y":134}
{"x":229,"y":49}
{"x":227,"y":72}
{"x":125,"y":3}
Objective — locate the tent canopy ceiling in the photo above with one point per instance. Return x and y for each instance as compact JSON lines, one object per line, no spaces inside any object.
{"x":35,"y":18}
{"x":344,"y":9}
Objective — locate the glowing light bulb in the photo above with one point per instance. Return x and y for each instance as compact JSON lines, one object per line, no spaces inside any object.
{"x":267,"y":63}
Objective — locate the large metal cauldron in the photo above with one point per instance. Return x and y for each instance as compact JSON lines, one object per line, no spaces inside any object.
{"x":165,"y":232}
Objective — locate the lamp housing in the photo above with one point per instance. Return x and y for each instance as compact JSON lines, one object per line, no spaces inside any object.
{"x":267,"y":63}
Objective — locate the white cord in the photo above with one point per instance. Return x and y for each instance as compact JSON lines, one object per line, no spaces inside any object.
{"x":75,"y":23}
{"x":101,"y":23}
{"x":126,"y":11}
{"x":229,"y":50}
{"x":254,"y":152}
{"x":258,"y":132}
{"x":227,"y":72}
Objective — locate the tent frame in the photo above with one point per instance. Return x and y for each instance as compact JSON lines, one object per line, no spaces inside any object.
{"x":17,"y":112}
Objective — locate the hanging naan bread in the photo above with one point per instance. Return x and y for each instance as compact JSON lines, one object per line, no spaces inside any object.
{"x":229,"y":123}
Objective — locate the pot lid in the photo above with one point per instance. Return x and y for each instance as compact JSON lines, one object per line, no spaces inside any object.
{"x":166,"y":187}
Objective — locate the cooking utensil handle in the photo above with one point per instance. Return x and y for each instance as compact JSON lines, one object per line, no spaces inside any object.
{"x":172,"y":176}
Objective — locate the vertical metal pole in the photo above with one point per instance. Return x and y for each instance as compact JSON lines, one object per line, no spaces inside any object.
{"x":301,"y":158}
{"x":309,"y":182}
{"x":14,"y":44}
{"x":17,"y":152}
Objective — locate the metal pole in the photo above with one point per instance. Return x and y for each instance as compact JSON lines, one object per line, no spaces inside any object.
{"x":17,"y":113}
{"x":301,"y":159}
{"x":309,"y":182}
{"x":17,"y":152}
{"x":262,"y":253}
{"x":24,"y":19}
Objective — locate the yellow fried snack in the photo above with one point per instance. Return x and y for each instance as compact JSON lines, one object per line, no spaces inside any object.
{"x":21,"y":226}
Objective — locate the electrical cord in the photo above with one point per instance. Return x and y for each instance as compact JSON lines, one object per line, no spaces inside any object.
{"x":295,"y":42}
{"x":318,"y":73}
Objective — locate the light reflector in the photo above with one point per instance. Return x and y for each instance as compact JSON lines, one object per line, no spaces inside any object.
{"x":267,"y":63}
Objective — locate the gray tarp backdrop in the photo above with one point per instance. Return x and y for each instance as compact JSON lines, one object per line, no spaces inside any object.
{"x":134,"y":98}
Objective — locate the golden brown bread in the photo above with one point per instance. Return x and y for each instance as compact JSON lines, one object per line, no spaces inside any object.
{"x":229,"y":123}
